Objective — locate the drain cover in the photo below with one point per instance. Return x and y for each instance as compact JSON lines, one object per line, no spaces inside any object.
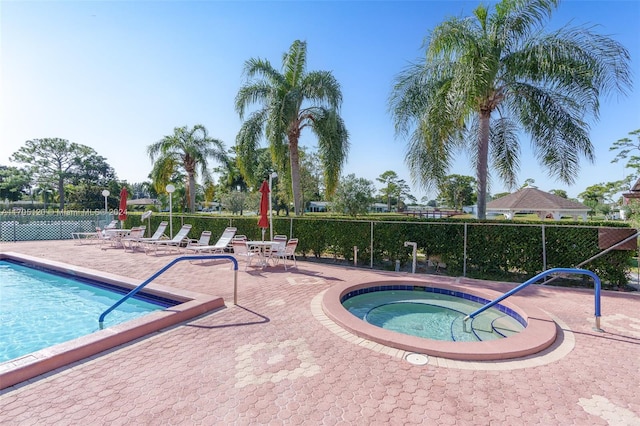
{"x":417,"y":359}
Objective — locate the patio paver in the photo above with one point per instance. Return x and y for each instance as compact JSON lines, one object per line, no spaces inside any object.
{"x":274,"y":359}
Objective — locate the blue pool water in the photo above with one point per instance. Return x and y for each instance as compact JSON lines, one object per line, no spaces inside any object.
{"x":40,"y":308}
{"x":431,"y":315}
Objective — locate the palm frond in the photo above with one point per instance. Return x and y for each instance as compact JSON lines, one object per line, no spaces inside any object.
{"x":333,"y":145}
{"x":322,"y":89}
{"x":294,"y":63}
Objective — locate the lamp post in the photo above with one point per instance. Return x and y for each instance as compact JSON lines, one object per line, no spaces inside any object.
{"x":105,"y":194}
{"x":170,"y":188}
{"x":271,"y":176}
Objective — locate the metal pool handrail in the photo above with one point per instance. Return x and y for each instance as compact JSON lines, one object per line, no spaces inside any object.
{"x":543,"y":274}
{"x":169,"y":265}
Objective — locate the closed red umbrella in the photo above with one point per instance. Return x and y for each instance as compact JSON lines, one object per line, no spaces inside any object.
{"x":263,"y":222}
{"x":122,"y":211}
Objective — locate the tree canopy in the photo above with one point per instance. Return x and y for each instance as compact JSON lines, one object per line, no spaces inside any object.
{"x":353,"y":196}
{"x":487,"y":78}
{"x":187,"y":150}
{"x":457,"y":191}
{"x":53,"y":162}
{"x":289,"y":102}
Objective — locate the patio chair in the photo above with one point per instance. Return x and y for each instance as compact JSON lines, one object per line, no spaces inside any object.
{"x":288,"y":253}
{"x":176,"y":241}
{"x":240,"y":249}
{"x":219,"y":246}
{"x":132,"y":240}
{"x":279,"y":248}
{"x":102,"y":237}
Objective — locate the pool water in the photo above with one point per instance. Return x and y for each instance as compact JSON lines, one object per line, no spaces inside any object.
{"x":431,"y":315}
{"x":39,"y":309}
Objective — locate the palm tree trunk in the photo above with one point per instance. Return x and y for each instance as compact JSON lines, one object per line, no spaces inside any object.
{"x":294,"y":156}
{"x":192,"y":192}
{"x":482,"y":166}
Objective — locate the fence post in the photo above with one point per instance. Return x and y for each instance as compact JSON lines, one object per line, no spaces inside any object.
{"x":544,"y":250}
{"x":371,"y":248}
{"x":464,"y":254}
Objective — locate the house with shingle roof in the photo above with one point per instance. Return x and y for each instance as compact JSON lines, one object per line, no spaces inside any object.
{"x":634,"y":192}
{"x":542,"y":203}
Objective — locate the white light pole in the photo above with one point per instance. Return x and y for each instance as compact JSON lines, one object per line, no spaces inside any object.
{"x":271,"y":176}
{"x":105,"y":194}
{"x":170,"y":188}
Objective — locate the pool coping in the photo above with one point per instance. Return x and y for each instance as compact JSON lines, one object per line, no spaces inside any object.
{"x":540,"y":333}
{"x":36,"y":363}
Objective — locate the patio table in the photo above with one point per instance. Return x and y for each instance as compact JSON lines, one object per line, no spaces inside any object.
{"x":260,"y":248}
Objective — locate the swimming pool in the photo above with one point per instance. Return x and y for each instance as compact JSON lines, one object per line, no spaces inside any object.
{"x":540,"y":331}
{"x":40,"y":308}
{"x":432,"y":313}
{"x":189,"y":305}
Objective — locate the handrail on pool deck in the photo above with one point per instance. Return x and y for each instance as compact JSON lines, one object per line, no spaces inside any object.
{"x":543,"y":274}
{"x":169,"y":265}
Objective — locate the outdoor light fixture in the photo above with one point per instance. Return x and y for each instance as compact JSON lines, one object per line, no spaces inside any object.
{"x":170,"y":189}
{"x":272,"y":175}
{"x":105,"y":194}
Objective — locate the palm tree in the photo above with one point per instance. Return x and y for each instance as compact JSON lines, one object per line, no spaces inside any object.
{"x":188,"y":151}
{"x":489,"y":77}
{"x":289,"y":102}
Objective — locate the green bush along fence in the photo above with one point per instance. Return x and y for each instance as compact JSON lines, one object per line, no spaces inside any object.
{"x":497,"y":250}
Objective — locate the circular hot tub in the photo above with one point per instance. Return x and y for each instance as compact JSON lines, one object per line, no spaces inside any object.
{"x":536,"y":333}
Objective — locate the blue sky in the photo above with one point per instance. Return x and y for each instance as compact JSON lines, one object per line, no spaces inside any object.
{"x":119,"y":75}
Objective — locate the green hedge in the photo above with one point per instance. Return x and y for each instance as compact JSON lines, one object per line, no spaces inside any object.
{"x":497,"y":250}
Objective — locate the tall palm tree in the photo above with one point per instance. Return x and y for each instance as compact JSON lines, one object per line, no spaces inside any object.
{"x":186,"y":150}
{"x":489,"y":77}
{"x":290,"y":101}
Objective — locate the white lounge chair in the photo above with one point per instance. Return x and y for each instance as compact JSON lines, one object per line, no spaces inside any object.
{"x":84,"y":237}
{"x":176,"y":241}
{"x":222,"y":243}
{"x":158,"y":235}
{"x":203,"y":241}
{"x":112,"y":225}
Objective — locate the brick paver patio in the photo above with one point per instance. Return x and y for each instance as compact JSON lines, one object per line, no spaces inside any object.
{"x":274,"y":359}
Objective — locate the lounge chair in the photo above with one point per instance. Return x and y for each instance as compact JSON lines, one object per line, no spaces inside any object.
{"x":84,"y":237}
{"x":112,"y":225}
{"x":220,"y":245}
{"x":176,"y":241}
{"x":203,"y":241}
{"x":158,"y":235}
